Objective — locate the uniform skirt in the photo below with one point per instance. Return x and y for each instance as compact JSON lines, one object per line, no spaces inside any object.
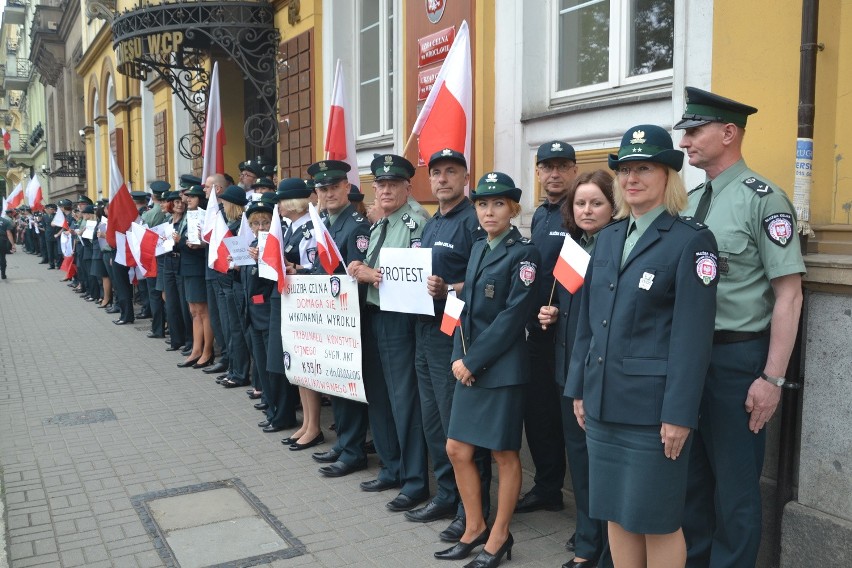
{"x":195,"y":289}
{"x":98,"y":270}
{"x":490,"y":418}
{"x":631,"y":481}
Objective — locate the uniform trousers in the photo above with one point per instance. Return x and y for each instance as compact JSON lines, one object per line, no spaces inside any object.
{"x":155,"y":303}
{"x":279,"y":394}
{"x":240,"y":297}
{"x":175,"y":300}
{"x":351,"y":420}
{"x":238,"y":349}
{"x":123,"y":292}
{"x":50,"y":249}
{"x":394,"y":342}
{"x":144,"y":298}
{"x":722,"y":517}
{"x":215,"y":318}
{"x":108,"y":257}
{"x":543,"y":417}
{"x":259,"y":338}
{"x":42,"y":239}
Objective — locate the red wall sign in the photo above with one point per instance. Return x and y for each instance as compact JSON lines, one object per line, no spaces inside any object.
{"x":434,"y":47}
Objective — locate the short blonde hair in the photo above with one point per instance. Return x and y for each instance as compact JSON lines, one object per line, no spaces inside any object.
{"x":294,"y":205}
{"x":232,"y":210}
{"x":674,"y":196}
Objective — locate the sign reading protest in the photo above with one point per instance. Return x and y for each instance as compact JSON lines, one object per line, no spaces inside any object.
{"x":403,"y":285}
{"x":321,"y":335}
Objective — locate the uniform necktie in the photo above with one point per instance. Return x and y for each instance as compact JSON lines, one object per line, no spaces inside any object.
{"x":704,"y":203}
{"x":383,"y":232}
{"x":629,"y":242}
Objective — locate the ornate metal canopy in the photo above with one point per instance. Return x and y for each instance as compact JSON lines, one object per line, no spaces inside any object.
{"x":175,"y":39}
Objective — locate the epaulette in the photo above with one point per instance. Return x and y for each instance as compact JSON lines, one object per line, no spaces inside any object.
{"x":692,"y":223}
{"x":691,"y":191}
{"x":759,"y":187}
{"x":357,"y":217}
{"x":306,"y":230}
{"x":522,"y":240}
{"x":409,"y":222}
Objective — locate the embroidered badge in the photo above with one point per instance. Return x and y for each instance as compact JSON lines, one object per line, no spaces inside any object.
{"x":646,"y":281}
{"x":362,"y":242}
{"x":556,"y":147}
{"x":415,"y":243}
{"x":706,"y":267}
{"x":286,"y":360}
{"x":446,"y":152}
{"x":312,"y":255}
{"x":527,"y":272}
{"x":491,"y":178}
{"x":489,"y":290}
{"x":323,"y":166}
{"x":779,"y":228}
{"x":638,"y":137}
{"x":334,"y":281}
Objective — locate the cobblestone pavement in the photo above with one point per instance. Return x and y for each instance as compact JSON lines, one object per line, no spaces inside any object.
{"x":148,"y":426}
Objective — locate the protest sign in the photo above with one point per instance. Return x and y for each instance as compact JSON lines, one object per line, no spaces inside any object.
{"x":403,"y":285}
{"x":194,"y":221}
{"x":238,"y":250}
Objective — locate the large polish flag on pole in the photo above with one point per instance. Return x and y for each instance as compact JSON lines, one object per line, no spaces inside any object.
{"x":339,"y":136}
{"x":34,"y":195}
{"x":446,"y":117}
{"x":16,"y":197}
{"x":214,"y":131}
{"x":122,"y":210}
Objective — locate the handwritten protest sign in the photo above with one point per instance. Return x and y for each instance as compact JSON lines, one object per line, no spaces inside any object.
{"x":166,"y":241}
{"x":238,"y":250}
{"x":89,"y":231}
{"x":194,"y":221}
{"x":321,"y":335}
{"x":403,"y":285}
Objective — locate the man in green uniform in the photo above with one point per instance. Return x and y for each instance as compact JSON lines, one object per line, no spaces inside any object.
{"x":759,"y":302}
{"x":389,"y":348}
{"x":153,"y":217}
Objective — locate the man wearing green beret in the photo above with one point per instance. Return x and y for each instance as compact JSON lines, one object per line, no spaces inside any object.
{"x":759,"y":300}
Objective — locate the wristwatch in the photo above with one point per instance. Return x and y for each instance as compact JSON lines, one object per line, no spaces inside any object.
{"x":451,"y":288}
{"x":777,"y":381}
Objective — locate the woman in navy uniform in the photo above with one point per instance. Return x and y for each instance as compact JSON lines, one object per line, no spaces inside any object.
{"x":173,"y":287}
{"x":490,"y":365}
{"x":642,"y":349}
{"x":588,"y":207}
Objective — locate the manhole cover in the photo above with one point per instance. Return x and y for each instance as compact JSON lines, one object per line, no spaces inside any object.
{"x":214,"y":525}
{"x":84,"y":417}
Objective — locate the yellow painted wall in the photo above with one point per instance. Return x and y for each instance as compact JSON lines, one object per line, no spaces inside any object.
{"x":836,"y":15}
{"x":483,"y":106}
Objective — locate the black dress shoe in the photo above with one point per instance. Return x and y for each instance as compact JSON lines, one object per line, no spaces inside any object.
{"x":403,"y":502}
{"x":172,"y":348}
{"x":432,"y":512}
{"x":255,"y":395}
{"x":189,"y":363}
{"x":143,"y":316}
{"x":219,"y":367}
{"x":573,"y":563}
{"x":569,"y":546}
{"x":263,"y":423}
{"x":121,"y":322}
{"x":535,"y":502}
{"x":186,"y":352}
{"x":369,"y":447}
{"x":326,"y":457}
{"x":204,"y":364}
{"x":297,"y":447}
{"x":272,"y":429}
{"x":376,"y":485}
{"x":487,"y":560}
{"x":454,"y":531}
{"x":339,"y":468}
{"x":152,"y":335}
{"x":463,"y":549}
{"x":261,"y":406}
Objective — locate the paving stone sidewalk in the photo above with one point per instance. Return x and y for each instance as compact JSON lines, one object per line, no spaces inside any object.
{"x":93,"y":416}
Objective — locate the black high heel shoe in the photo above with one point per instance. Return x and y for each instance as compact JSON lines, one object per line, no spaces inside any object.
{"x":189,"y":363}
{"x":463,"y":549}
{"x":487,"y":560}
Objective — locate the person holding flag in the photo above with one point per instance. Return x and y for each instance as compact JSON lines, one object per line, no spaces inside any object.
{"x":588,"y":207}
{"x":7,"y":243}
{"x":489,"y":363}
{"x":50,"y":232}
{"x":350,"y":234}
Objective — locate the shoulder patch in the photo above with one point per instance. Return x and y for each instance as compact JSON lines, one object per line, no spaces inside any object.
{"x":527,"y":272}
{"x":759,"y":187}
{"x":691,"y":191}
{"x":362,"y":243}
{"x":779,"y":228}
{"x":707,"y":267}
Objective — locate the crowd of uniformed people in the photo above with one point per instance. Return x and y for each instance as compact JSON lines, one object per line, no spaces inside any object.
{"x":651,"y":384}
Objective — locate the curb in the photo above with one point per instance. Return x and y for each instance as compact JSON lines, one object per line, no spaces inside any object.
{"x":4,"y":562}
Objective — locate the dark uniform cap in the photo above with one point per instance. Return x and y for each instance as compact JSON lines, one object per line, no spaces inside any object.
{"x":328,"y":172}
{"x":103,"y":202}
{"x":311,"y":184}
{"x":50,"y":206}
{"x":555,"y":149}
{"x":269,"y":169}
{"x":64,"y":203}
{"x":171,"y":195}
{"x":84,"y":199}
{"x":703,"y":107}
{"x":391,"y":166}
{"x":263,"y":182}
{"x":292,"y":188}
{"x":448,"y":154}
{"x":253,"y":166}
{"x":88,"y":209}
{"x":234,"y":194}
{"x":139,"y":195}
{"x":647,"y":143}
{"x":188,"y":180}
{"x":270,"y":199}
{"x":197,"y":191}
{"x":160,"y":186}
{"x":355,"y":194}
{"x":260,"y":206}
{"x":496,"y":184}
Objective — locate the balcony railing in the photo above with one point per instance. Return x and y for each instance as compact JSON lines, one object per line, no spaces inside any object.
{"x":72,"y":164}
{"x":17,"y":75}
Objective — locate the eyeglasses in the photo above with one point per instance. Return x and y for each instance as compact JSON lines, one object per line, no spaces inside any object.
{"x":640,"y":171}
{"x":261,"y":224}
{"x":561,"y":168}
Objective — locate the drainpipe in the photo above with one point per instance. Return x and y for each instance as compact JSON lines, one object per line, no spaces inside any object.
{"x":801,"y":201}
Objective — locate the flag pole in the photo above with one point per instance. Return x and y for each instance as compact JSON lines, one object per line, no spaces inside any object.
{"x":464,"y":347}
{"x":552,"y":290}
{"x":408,"y":144}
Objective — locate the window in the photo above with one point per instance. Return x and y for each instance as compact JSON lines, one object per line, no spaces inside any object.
{"x":375,"y":55}
{"x":609,"y":43}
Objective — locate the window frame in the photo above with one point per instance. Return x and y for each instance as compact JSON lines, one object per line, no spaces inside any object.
{"x":388,"y":16}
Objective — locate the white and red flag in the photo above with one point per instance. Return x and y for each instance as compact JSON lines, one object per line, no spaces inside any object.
{"x":143,"y":247}
{"x":571,"y":265}
{"x":339,"y":136}
{"x":210,"y":214}
{"x":122,"y":209}
{"x":273,"y":252}
{"x":68,"y":266}
{"x":217,"y":252}
{"x":16,"y":197}
{"x":123,"y":254}
{"x":327,"y":251}
{"x":59,"y":220}
{"x":214,"y":131}
{"x":34,"y":195}
{"x":452,"y":314}
{"x":7,"y":139}
{"x":446,"y":117}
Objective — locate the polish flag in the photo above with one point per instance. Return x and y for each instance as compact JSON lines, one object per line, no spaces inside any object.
{"x":143,"y":247}
{"x":273,"y":252}
{"x":217,"y":252}
{"x":214,"y":210}
{"x":339,"y":137}
{"x":446,"y":117}
{"x":16,"y":197}
{"x":571,"y":265}
{"x":245,"y":234}
{"x":122,"y":210}
{"x":123,"y":254}
{"x":7,"y":139}
{"x":452,"y":314}
{"x":68,"y":266}
{"x":329,"y":255}
{"x":59,"y":220}
{"x":34,"y":196}
{"x":214,"y":131}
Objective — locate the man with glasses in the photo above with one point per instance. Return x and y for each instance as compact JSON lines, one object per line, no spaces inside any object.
{"x":250,"y":171}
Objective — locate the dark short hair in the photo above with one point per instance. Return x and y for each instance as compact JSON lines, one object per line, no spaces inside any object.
{"x":601,"y":178}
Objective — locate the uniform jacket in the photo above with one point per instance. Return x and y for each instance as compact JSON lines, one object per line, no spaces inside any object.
{"x":193,"y":261}
{"x":500,"y":291}
{"x":645,"y":330}
{"x":258,"y":291}
{"x":351,"y":234}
